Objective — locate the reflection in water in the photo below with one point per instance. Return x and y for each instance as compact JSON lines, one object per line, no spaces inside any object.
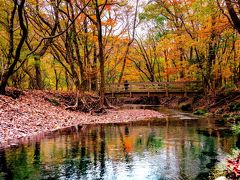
{"x":159,"y":149}
{"x":4,"y":171}
{"x":102,"y":152}
{"x":36,"y":159}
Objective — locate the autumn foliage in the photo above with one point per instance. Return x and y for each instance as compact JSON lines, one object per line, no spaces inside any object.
{"x":84,"y":45}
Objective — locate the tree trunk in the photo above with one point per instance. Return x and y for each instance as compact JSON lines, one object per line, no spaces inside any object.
{"x":3,"y":85}
{"x":38,"y":74}
{"x":66,"y":79}
{"x":39,"y":84}
{"x":94,"y":69}
{"x":211,"y":55}
{"x":101,"y":55}
{"x":10,"y":71}
{"x":77,"y":51}
{"x":233,"y":14}
{"x":181,"y":73}
{"x":129,"y":43}
{"x":56,"y":79}
{"x":124,"y":62}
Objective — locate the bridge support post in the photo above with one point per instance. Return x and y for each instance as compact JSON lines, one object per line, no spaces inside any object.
{"x":166,"y":89}
{"x":185,"y":94}
{"x":185,"y":91}
{"x":130,"y":94}
{"x":148,"y":94}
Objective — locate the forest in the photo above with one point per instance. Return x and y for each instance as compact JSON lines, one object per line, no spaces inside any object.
{"x":84,"y":45}
{"x":58,"y":59}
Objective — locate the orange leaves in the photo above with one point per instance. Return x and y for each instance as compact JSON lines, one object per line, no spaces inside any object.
{"x":216,"y":26}
{"x":128,"y":145}
{"x":169,"y":71}
{"x":237,"y":43}
{"x":109,"y":22}
{"x":175,"y":1}
{"x":80,"y":19}
{"x":226,"y":73}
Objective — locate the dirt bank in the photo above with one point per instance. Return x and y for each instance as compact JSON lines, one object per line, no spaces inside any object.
{"x":32,"y":113}
{"x":219,"y":103}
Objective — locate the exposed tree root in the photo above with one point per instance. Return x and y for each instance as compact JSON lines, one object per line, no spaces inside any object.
{"x":75,"y":106}
{"x":14,"y":93}
{"x":83,"y":102}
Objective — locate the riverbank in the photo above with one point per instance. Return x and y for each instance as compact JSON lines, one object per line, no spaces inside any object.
{"x":223,"y":103}
{"x":32,"y":113}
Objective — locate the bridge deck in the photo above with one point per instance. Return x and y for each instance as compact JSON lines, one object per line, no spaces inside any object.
{"x":155,"y":88}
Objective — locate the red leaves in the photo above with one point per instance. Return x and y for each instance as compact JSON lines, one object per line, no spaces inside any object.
{"x":233,"y":168}
{"x":108,"y":7}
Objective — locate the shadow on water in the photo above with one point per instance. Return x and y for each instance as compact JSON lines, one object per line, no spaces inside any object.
{"x":178,"y":147}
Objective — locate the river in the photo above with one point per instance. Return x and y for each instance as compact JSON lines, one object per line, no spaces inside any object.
{"x":179,"y":146}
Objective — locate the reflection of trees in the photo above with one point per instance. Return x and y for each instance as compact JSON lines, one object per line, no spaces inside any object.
{"x":19,"y":165}
{"x":87,"y":151}
{"x":102,"y":152}
{"x":78,"y":161}
{"x":75,"y":147}
{"x":5,"y":172}
{"x":37,"y":157}
{"x":70,"y":165}
{"x":139,"y":141}
{"x":126,"y":130}
{"x":127,"y":156}
{"x":238,"y":141}
{"x":195,"y":153}
{"x":84,"y":156}
{"x":207,"y":157}
{"x":185,"y":154}
{"x":94,"y":142}
{"x":202,"y":154}
{"x":153,"y":142}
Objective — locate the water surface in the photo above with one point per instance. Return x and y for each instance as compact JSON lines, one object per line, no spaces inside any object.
{"x":177,"y":147}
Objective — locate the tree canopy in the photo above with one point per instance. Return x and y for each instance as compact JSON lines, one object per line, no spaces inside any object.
{"x":86,"y":44}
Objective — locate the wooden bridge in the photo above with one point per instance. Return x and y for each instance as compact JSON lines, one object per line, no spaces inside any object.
{"x":185,"y":88}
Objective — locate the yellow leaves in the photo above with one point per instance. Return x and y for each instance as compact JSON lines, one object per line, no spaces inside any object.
{"x":193,"y":68}
{"x":92,"y":26}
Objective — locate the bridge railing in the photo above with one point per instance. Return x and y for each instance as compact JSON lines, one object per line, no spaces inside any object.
{"x":184,"y":86}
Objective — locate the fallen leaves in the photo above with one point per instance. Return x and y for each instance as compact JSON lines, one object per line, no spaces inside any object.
{"x":31,"y":115}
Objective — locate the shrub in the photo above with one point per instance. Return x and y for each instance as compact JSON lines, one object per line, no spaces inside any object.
{"x":229,"y":167}
{"x":236,"y":129}
{"x":200,"y":112}
{"x":233,"y":167}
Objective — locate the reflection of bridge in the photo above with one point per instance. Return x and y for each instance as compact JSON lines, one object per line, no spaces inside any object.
{"x":184,"y":88}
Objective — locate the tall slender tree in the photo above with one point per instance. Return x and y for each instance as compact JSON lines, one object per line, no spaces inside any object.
{"x":13,"y":55}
